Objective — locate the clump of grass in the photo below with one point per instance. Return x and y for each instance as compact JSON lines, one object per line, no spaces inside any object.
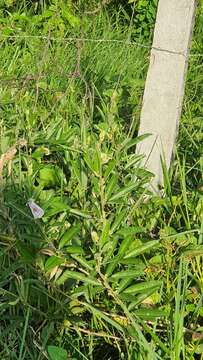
{"x":108,"y":272}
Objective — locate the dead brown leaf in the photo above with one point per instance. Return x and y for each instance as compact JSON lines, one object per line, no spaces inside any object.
{"x":8,"y":156}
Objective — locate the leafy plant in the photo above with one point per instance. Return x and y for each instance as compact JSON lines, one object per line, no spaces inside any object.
{"x":57,"y":353}
{"x":109,"y":271}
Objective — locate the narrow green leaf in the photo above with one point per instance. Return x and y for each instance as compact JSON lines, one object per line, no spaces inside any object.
{"x":123,"y":192}
{"x":150,"y":314}
{"x":141,"y":297}
{"x":82,"y":261}
{"x":132,"y":161}
{"x":124,"y":246}
{"x":80,"y":213}
{"x":7,"y":272}
{"x":109,"y":168}
{"x":112,"y":265}
{"x":132,"y":142}
{"x":132,"y":261}
{"x":69,"y":235}
{"x":142,"y":287}
{"x":110,"y":246}
{"x":193,"y":251}
{"x":76,"y":276}
{"x":143,"y":248}
{"x":123,"y":284}
{"x":97,"y":161}
{"x":79,"y":291}
{"x":127,"y":274}
{"x":101,"y":315}
{"x":130,"y":230}
{"x":118,"y":220}
{"x":111,"y":185}
{"x":91,"y":164}
{"x":127,"y":297}
{"x":105,"y":233}
{"x":27,"y":252}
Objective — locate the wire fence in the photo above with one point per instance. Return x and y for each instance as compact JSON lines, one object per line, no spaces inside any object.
{"x":22,"y":80}
{"x":80,"y":40}
{"x":102,"y":40}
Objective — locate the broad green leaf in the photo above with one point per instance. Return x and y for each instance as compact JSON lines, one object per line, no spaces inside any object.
{"x":52,"y":261}
{"x":143,"y":173}
{"x":199,"y":349}
{"x":47,"y":13}
{"x":77,"y":310}
{"x":143,"y":248}
{"x":69,"y":235}
{"x":56,"y":206}
{"x":49,"y":176}
{"x":167,"y":231}
{"x":67,"y":274}
{"x":74,"y":249}
{"x":57,"y":353}
{"x":72,"y":19}
{"x":40,"y":152}
{"x":142,"y":287}
{"x":157,"y":260}
{"x":42,"y":85}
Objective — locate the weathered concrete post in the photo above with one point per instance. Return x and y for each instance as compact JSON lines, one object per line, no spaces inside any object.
{"x":164,"y":88}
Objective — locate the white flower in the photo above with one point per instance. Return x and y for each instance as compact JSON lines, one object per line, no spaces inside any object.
{"x":36,"y":210}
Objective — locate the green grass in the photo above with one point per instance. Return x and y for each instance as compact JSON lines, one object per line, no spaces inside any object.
{"x":109,"y":271}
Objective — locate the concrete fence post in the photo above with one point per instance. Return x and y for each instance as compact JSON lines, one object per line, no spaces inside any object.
{"x":165,"y":83}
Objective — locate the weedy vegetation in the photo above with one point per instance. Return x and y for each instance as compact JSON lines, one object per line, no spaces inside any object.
{"x":110,"y":271}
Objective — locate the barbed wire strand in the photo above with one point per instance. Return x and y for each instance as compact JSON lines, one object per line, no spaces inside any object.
{"x":102,"y":40}
{"x":37,"y":76}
